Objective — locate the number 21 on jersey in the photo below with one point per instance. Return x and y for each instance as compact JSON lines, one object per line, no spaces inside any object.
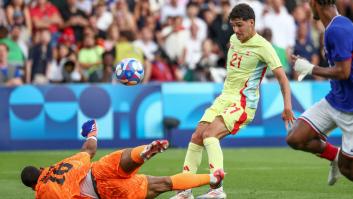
{"x":236,"y":60}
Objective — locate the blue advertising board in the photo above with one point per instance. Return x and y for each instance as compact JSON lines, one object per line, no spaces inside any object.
{"x":50,"y":117}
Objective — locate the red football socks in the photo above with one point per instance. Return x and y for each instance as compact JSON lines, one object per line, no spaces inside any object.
{"x":330,"y":152}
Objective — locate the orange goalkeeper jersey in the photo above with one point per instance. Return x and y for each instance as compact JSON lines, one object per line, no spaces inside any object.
{"x":62,"y":181}
{"x":114,"y":183}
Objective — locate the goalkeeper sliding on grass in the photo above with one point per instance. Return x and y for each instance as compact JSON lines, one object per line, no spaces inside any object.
{"x":113,"y":176}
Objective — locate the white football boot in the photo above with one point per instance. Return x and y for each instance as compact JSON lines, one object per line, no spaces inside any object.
{"x":214,"y":193}
{"x":216,"y":190}
{"x":186,"y":194}
{"x":334,"y":173}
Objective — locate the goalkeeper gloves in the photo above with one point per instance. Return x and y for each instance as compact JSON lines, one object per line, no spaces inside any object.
{"x":303,"y":67}
{"x":89,"y":129}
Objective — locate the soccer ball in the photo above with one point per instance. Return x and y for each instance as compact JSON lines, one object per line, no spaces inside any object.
{"x":129,"y":71}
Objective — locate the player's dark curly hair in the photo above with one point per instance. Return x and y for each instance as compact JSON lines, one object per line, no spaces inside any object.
{"x":242,"y":11}
{"x":30,"y":175}
{"x":326,"y":2}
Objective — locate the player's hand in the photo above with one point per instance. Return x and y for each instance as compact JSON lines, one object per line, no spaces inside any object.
{"x":288,"y":118}
{"x":302,"y":66}
{"x":89,"y":129}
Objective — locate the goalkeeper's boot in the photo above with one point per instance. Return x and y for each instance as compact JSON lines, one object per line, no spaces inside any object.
{"x":157,"y":146}
{"x":185,"y":194}
{"x":334,"y":173}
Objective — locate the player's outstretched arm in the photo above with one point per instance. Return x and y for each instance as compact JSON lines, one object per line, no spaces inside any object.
{"x":89,"y":130}
{"x":287,"y":114}
{"x":340,"y":71}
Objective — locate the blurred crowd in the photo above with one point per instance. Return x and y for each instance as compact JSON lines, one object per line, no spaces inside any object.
{"x":66,"y":41}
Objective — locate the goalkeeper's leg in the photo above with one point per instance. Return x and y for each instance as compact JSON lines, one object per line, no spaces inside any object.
{"x":182,"y":181}
{"x":132,"y":159}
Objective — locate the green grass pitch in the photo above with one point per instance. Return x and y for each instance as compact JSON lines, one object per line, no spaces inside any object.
{"x":252,"y":173}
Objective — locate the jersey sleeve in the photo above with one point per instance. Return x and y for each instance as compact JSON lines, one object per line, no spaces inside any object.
{"x":270,"y":57}
{"x":339,"y":44}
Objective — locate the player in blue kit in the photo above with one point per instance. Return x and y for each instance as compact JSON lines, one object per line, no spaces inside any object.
{"x":336,"y":109}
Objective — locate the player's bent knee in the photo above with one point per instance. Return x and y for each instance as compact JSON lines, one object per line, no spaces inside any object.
{"x":196,"y":138}
{"x":159,"y":185}
{"x":294,"y":142}
{"x":206,"y":134}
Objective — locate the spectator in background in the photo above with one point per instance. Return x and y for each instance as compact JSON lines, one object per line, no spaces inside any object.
{"x":146,"y":43}
{"x":3,"y":20}
{"x":281,"y":53}
{"x":126,"y":49}
{"x":345,"y":7}
{"x":304,"y":47}
{"x":175,"y":38}
{"x":220,"y":29}
{"x":67,"y":38}
{"x":86,"y":6}
{"x":208,"y":66}
{"x":153,"y":24}
{"x":71,"y":70}
{"x":109,"y":17}
{"x":123,"y":17}
{"x":112,"y":37}
{"x":46,"y":16}
{"x":17,"y":13}
{"x":156,"y":5}
{"x":282,"y":26}
{"x":21,"y":40}
{"x":15,"y":54}
{"x":106,"y":72}
{"x":208,"y":15}
{"x":192,"y":17}
{"x":141,"y":12}
{"x":74,"y":19}
{"x":39,"y":59}
{"x":61,"y":53}
{"x":104,"y":18}
{"x":163,"y":70}
{"x":89,"y":56}
{"x":193,"y":49}
{"x":59,"y":4}
{"x":9,"y":75}
{"x":302,"y":14}
{"x":170,"y":9}
{"x":290,"y":5}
